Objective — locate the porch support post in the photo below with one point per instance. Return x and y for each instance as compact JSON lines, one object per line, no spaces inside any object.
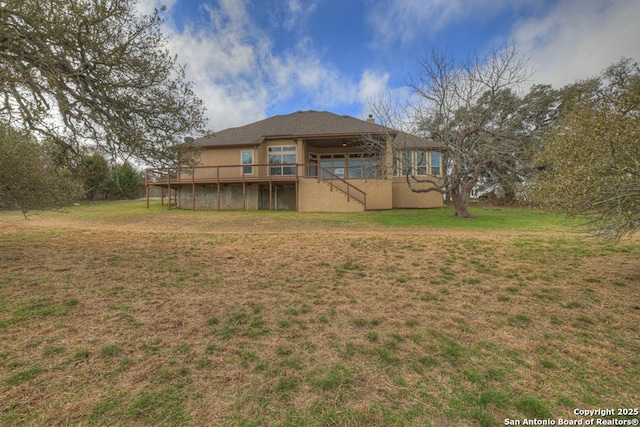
{"x":218,"y":182}
{"x":244,"y":195}
{"x":169,"y":187}
{"x":218,"y":195}
{"x":193,"y":187}
{"x":270,"y":194}
{"x":296,"y":186}
{"x":146,"y":185}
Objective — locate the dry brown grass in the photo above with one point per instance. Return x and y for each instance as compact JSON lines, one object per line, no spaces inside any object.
{"x":207,"y":319}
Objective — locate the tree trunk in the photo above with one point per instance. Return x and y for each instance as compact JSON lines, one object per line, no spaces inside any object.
{"x":509,"y":190}
{"x":460,"y":200}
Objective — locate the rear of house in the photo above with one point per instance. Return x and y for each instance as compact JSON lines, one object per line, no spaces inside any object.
{"x":305,"y":161}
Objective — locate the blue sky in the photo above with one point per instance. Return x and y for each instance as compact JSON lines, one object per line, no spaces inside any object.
{"x":251,"y":59}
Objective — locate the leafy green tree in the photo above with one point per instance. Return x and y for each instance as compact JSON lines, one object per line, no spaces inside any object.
{"x":590,"y":163}
{"x":126,"y":182}
{"x":536,"y":114}
{"x":29,"y":178}
{"x":94,"y":71}
{"x":95,"y":173}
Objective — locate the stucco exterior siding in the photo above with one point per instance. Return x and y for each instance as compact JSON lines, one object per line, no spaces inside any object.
{"x":379,"y":192}
{"x":317,"y":196}
{"x":403,"y":197}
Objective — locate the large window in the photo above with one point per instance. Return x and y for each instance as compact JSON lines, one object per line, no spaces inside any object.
{"x":347,"y":166}
{"x":362,"y":165}
{"x":334,"y":163}
{"x":282,"y":160}
{"x":417,"y":162}
{"x":247,"y":159}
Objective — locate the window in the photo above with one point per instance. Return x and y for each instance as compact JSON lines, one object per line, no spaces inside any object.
{"x":334,"y":163}
{"x":421,"y":162}
{"x":282,"y":160}
{"x":362,"y":165}
{"x":417,"y":162}
{"x":313,"y":164}
{"x":402,"y":163}
{"x":247,"y":159}
{"x":435,"y":163}
{"x":346,"y":166}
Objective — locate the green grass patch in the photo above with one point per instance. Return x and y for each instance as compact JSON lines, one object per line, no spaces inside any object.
{"x":335,"y":377}
{"x":163,"y":406}
{"x":23,"y":375}
{"x":111,"y":350}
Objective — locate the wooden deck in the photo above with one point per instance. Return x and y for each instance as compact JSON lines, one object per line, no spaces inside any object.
{"x":271,"y":174}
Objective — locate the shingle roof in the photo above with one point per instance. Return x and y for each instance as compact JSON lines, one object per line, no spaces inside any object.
{"x":305,"y":124}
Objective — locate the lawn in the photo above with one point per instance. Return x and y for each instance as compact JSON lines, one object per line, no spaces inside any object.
{"x":112,"y":314}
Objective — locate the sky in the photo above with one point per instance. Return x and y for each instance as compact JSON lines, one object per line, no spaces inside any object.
{"x":253,"y":59}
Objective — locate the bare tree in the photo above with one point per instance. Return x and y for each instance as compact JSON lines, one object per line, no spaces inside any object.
{"x":94,"y":71}
{"x":469,"y":107}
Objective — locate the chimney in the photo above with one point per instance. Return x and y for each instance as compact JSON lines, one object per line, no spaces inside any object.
{"x":370,"y":119}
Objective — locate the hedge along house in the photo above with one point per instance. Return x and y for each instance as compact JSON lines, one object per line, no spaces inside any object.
{"x":305,"y":161}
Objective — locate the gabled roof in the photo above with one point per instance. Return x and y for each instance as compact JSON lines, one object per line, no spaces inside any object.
{"x":305,"y":124}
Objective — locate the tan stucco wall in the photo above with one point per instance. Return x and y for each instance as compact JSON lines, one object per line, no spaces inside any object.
{"x":403,"y":197}
{"x":233,"y":156}
{"x":317,"y":196}
{"x":221,"y":156}
{"x":379,"y":192}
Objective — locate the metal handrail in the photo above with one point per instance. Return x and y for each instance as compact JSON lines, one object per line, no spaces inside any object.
{"x":362,"y":196}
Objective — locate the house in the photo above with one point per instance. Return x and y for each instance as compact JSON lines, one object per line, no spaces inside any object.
{"x":305,"y":161}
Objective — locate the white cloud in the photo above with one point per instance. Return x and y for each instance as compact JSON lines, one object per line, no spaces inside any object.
{"x":402,"y":22}
{"x":579,"y":39}
{"x":222,"y":57}
{"x":371,"y":85}
{"x":298,"y":11}
{"x":301,"y":72}
{"x":235,"y":71}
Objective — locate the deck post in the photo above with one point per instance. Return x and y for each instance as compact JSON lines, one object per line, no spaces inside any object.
{"x":169,"y":186}
{"x":244,"y":196}
{"x":193,"y":187}
{"x":146,"y":185}
{"x":218,"y":183}
{"x":296,"y":186}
